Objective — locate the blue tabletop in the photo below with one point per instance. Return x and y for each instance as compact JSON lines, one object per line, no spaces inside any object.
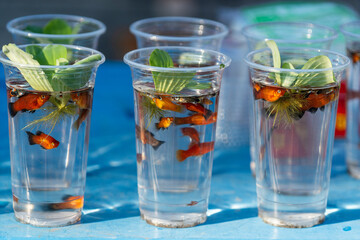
{"x":111,"y":203}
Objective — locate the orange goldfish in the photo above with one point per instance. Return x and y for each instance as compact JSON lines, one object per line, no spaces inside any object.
{"x":165,"y":122}
{"x":268,"y":93}
{"x":45,"y":141}
{"x":195,"y":150}
{"x":71,"y":202}
{"x":147,"y":137}
{"x":166,"y":104}
{"x":315,"y":100}
{"x":355,"y":57}
{"x":82,"y":99}
{"x":199,"y":108}
{"x":28,"y":102}
{"x":196,"y":119}
{"x":207,"y":101}
{"x":192,"y":133}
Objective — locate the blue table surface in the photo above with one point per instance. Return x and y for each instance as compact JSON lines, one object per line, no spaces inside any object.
{"x":111,"y":202}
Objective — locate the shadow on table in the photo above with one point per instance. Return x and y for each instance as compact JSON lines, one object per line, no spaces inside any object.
{"x":343,"y":215}
{"x":228,"y":215}
{"x":101,"y":215}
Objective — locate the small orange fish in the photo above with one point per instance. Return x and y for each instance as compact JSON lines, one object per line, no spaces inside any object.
{"x":71,"y":202}
{"x":207,"y":101}
{"x":355,"y":57}
{"x":196,"y":119}
{"x":195,"y":150}
{"x":315,"y":100}
{"x":192,"y":203}
{"x":28,"y":102}
{"x":199,"y":108}
{"x":192,"y":133}
{"x":165,"y":122}
{"x":82,"y":99}
{"x":45,"y":141}
{"x":83,"y":113}
{"x":268,"y":93}
{"x":166,"y":104}
{"x":15,"y":199}
{"x":147,"y":137}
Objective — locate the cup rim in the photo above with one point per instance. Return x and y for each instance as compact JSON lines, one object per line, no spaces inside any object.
{"x":133,"y":64}
{"x":249,"y":62}
{"x":136,"y":32}
{"x":245,"y":32}
{"x":349,"y":33}
{"x":80,"y":48}
{"x":10,"y":26}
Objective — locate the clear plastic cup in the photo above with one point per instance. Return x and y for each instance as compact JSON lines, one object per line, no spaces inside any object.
{"x":179,"y":31}
{"x":285,"y":34}
{"x":294,"y":129}
{"x":49,"y":137}
{"x":175,"y":133}
{"x":351,"y":32}
{"x":88,"y":30}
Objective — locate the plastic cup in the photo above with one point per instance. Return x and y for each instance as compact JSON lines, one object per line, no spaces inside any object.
{"x":49,"y":138}
{"x":352,"y":36}
{"x":175,"y":133}
{"x":294,"y":131}
{"x":285,"y":34}
{"x":87,"y":34}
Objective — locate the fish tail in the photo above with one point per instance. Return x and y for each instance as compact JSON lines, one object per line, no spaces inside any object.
{"x":181,"y":155}
{"x":12,"y":110}
{"x":208,"y":113}
{"x":158,"y":145}
{"x":31,"y":138}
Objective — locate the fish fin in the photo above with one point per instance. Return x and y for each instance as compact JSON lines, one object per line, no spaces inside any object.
{"x":76,"y":124}
{"x":38,"y":133}
{"x":30,"y":135}
{"x":158,"y":145}
{"x":322,"y":108}
{"x":180,"y":155}
{"x":43,"y":148}
{"x":32,"y":111}
{"x":208,"y":114}
{"x":12,"y":111}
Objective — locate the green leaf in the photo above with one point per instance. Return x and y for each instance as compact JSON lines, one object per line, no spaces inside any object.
{"x":197,"y":85}
{"x":34,"y":29}
{"x":75,"y":78}
{"x":37,"y":52}
{"x":35,"y":77}
{"x":57,"y":26}
{"x":296,"y":62}
{"x":276,"y":58}
{"x":288,"y":78}
{"x":318,"y":79}
{"x":54,"y":52}
{"x":160,"y":58}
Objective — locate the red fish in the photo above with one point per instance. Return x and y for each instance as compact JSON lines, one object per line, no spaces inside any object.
{"x":192,"y":133}
{"x":45,"y":141}
{"x":315,"y":100}
{"x":166,"y":104}
{"x":355,"y":57}
{"x":195,"y":150}
{"x":71,"y":202}
{"x":196,"y":119}
{"x":165,"y":122}
{"x":28,"y":102}
{"x":199,"y":108}
{"x":268,"y":93}
{"x":207,"y":101}
{"x":147,"y":137}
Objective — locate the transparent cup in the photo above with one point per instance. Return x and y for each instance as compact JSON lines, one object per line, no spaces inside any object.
{"x":179,"y":31}
{"x":285,"y":34}
{"x":49,"y":138}
{"x":351,"y":32}
{"x":175,"y":132}
{"x":294,"y":137}
{"x":88,"y":30}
